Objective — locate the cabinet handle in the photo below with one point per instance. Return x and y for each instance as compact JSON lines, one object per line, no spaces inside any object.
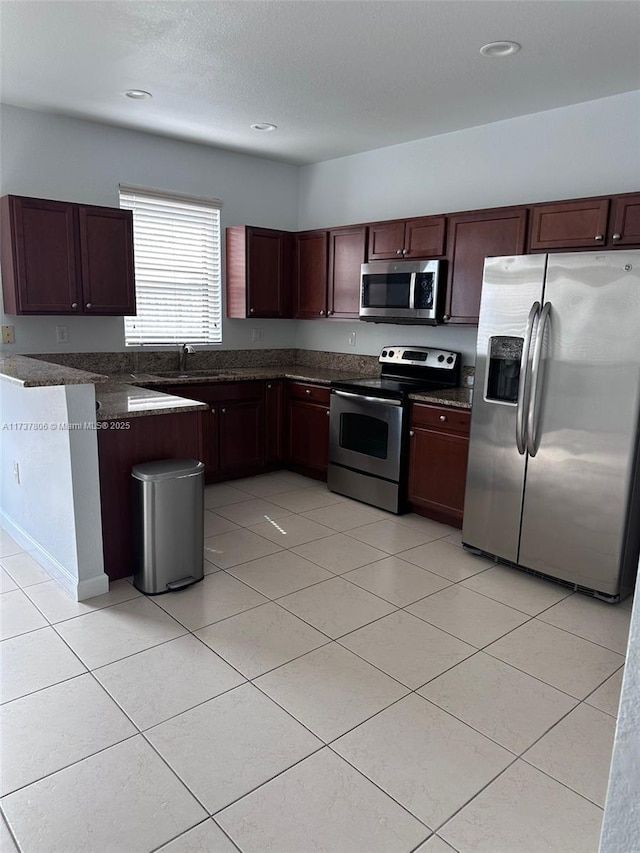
{"x":251,"y":310}
{"x":405,"y":251}
{"x":322,"y":313}
{"x":446,"y":317}
{"x":74,"y":304}
{"x":443,"y":417}
{"x":399,"y":251}
{"x":88,"y":305}
{"x":224,"y":411}
{"x":616,"y":236}
{"x":329,"y":312}
{"x":213,"y":411}
{"x":328,"y":412}
{"x":307,"y":390}
{"x":599,"y":237}
{"x":268,"y":386}
{"x":411,"y":433}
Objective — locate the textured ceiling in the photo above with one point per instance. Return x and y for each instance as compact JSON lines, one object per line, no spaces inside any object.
{"x":337,"y":77}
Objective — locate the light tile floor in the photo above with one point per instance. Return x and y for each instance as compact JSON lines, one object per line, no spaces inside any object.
{"x":343,"y":680}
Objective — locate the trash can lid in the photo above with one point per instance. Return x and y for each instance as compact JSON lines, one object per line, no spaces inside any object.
{"x":167,"y":469}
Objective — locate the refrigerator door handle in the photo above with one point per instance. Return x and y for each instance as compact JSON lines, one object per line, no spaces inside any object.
{"x":524,"y":380}
{"x":532,"y":415}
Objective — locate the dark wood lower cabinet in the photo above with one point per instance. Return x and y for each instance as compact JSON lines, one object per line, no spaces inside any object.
{"x":274,"y":423}
{"x":308,"y":429}
{"x":147,"y":439}
{"x":240,"y":437}
{"x":438,"y":449}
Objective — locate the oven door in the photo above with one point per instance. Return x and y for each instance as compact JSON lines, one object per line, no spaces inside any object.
{"x":365,"y":433}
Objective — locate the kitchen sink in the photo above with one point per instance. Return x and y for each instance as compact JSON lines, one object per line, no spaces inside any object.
{"x":189,"y":374}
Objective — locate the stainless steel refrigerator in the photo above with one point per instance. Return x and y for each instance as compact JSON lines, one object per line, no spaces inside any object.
{"x":553,"y":479}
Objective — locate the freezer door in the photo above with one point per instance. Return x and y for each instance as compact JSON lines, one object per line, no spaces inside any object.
{"x":584,"y":422}
{"x":495,"y":474}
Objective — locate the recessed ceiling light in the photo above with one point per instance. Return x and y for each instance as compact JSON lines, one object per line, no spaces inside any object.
{"x":138,"y":94}
{"x":500,"y":48}
{"x":264,"y":126}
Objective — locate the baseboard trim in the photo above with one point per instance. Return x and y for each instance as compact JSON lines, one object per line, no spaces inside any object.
{"x":78,"y":589}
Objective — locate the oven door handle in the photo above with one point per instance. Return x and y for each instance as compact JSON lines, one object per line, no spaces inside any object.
{"x":381,"y":400}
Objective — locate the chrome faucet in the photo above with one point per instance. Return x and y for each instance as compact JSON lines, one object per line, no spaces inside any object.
{"x":185,"y":350}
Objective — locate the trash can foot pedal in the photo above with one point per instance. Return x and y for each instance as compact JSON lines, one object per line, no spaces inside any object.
{"x":182,"y":582}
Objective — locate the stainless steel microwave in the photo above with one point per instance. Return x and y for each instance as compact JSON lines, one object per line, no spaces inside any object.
{"x":401,"y":291}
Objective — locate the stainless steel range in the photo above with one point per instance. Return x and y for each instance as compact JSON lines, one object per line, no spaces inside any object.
{"x":369,"y":423}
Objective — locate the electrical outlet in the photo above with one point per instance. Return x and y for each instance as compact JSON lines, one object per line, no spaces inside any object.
{"x":8,"y":335}
{"x":257,"y":335}
{"x":352,"y":339}
{"x":62,"y":335}
{"x":16,"y":472}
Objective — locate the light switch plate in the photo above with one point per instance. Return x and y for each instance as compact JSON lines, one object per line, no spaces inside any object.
{"x":257,"y":335}
{"x":352,"y":339}
{"x":62,"y":335}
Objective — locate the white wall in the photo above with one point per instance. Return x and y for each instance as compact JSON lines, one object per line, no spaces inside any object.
{"x":582,"y":150}
{"x":51,"y":156}
{"x":54,"y":509}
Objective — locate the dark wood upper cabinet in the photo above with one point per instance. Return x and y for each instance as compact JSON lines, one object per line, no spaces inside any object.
{"x":311,"y":274}
{"x":424,"y":238}
{"x":569,"y":225}
{"x":386,"y":240}
{"x":106,"y":250}
{"x":64,"y":258}
{"x":472,"y":238}
{"x":413,"y":238}
{"x":625,"y":220}
{"x":347,"y":251}
{"x":258,"y":272}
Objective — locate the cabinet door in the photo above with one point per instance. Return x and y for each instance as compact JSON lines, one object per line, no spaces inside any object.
{"x":386,"y":240}
{"x":267,"y":273}
{"x":311,"y":274}
{"x":39,"y":263}
{"x":347,"y":248}
{"x":274,"y":421}
{"x":241,"y":436}
{"x":424,"y":238}
{"x":437,"y":473}
{"x":309,"y":436}
{"x":569,"y":225}
{"x":625,"y":221}
{"x":106,"y":252}
{"x":472,"y":238}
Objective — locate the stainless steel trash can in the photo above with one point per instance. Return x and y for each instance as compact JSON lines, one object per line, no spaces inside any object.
{"x":168,"y":510}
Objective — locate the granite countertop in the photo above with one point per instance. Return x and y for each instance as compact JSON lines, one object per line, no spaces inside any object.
{"x":459,"y":398}
{"x":302,"y":373}
{"x":33,"y":373}
{"x":126,"y":401}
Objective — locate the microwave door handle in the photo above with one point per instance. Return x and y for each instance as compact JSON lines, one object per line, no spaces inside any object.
{"x":532,"y":416}
{"x":523,"y":383}
{"x":412,"y":291}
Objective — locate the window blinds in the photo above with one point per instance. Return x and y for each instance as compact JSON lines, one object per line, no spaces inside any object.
{"x":177,"y":264}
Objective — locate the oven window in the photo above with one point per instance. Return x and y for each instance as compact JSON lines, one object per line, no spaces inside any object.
{"x":388,"y":290}
{"x":364,"y":434}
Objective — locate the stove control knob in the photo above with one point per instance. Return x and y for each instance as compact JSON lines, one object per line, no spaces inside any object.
{"x":384,"y":353}
{"x":440,"y":358}
{"x":391,"y":353}
{"x":450,"y":360}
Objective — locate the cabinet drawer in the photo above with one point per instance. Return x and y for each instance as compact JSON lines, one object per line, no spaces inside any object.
{"x":315,"y":393}
{"x":445,"y":418}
